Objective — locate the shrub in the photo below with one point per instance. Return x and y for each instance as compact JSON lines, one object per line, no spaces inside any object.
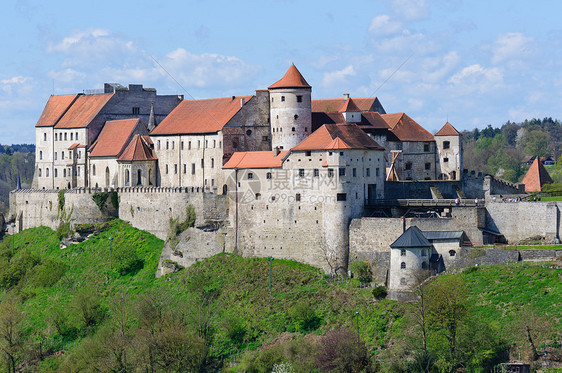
{"x":87,"y":305}
{"x":304,"y":317}
{"x":47,"y":273}
{"x":100,"y":198}
{"x":125,"y":260}
{"x":340,"y":351}
{"x":361,"y":271}
{"x":380,"y":292}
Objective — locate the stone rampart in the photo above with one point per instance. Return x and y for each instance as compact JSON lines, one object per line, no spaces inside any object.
{"x":521,"y":220}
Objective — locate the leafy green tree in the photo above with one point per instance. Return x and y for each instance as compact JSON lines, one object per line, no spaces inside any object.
{"x":536,"y":143}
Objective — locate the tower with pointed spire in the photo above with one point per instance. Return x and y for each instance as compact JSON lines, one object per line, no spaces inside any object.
{"x":290,"y":110}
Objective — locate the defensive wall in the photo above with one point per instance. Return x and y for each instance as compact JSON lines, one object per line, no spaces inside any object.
{"x":472,"y":185}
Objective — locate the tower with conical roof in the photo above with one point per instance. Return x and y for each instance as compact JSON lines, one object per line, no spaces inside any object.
{"x":290,"y":109}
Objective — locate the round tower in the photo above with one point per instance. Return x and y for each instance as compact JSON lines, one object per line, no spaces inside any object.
{"x":290,"y":110}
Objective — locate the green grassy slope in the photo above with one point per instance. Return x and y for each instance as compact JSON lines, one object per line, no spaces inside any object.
{"x":225,"y":301}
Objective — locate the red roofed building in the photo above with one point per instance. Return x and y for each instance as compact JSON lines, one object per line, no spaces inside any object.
{"x":536,"y":177}
{"x":71,"y":123}
{"x":449,"y":146}
{"x":137,"y":163}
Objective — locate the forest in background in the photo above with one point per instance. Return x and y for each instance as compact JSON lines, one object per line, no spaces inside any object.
{"x":17,"y":159}
{"x":500,"y":151}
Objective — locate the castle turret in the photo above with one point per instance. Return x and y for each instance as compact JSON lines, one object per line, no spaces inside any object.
{"x":449,"y":146}
{"x":290,"y":109}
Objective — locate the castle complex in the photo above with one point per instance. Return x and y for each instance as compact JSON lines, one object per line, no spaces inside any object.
{"x":274,"y":174}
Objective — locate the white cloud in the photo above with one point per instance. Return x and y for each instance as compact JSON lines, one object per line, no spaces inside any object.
{"x":338,"y":77}
{"x":477,"y":78}
{"x":406,"y":42}
{"x":410,"y":9}
{"x":435,"y":69}
{"x":66,"y":75}
{"x":513,"y":45}
{"x":207,"y":69}
{"x":384,"y":25}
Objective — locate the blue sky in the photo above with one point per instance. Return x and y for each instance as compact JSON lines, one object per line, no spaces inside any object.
{"x":472,"y":62}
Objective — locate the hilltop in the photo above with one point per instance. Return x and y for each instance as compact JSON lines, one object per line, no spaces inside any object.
{"x":97,"y":305}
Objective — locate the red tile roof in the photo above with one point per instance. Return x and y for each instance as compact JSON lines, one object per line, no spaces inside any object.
{"x":83,"y":111}
{"x":328,"y":105}
{"x":448,"y":130}
{"x":54,"y":109}
{"x":349,"y":106}
{"x":200,"y":116}
{"x":138,"y":150}
{"x":291,"y":79}
{"x":263,"y":159}
{"x":536,"y":177}
{"x":114,"y":137}
{"x":405,"y":128}
{"x":369,"y":120}
{"x":348,"y":136}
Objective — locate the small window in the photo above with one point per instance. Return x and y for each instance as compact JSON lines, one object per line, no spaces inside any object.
{"x":403,"y":265}
{"x":427,"y":166}
{"x":202,"y":163}
{"x":193,"y":168}
{"x":354,"y":172}
{"x":296,"y":116}
{"x":45,"y":136}
{"x":56,"y":173}
{"x":377,"y":171}
{"x":282,"y":98}
{"x":71,"y":136}
{"x":56,"y":137}
{"x":136,"y":110}
{"x":181,"y":145}
{"x":39,"y":172}
{"x":408,"y":166}
{"x":248,"y":133}
{"x":265,"y":138}
{"x":301,"y":172}
{"x":258,"y":195}
{"x":445,"y":160}
{"x":403,"y":252}
{"x":158,"y":145}
{"x":316,"y":172}
{"x":184,"y":168}
{"x":293,"y":129}
{"x":167,"y":145}
{"x":424,"y":265}
{"x":94,"y":170}
{"x":446,"y":144}
{"x":340,"y":197}
{"x":426,"y":147}
{"x":65,"y":137}
{"x":452,"y":253}
{"x":403,"y":281}
{"x":215,"y":142}
{"x":250,"y":176}
{"x":268,"y":175}
{"x":175,"y":168}
{"x":424,"y":252}
{"x":166,"y":169}
{"x":47,"y":172}
{"x":308,"y":153}
{"x":330,"y":172}
{"x":368,"y":172}
{"x":212,"y":162}
{"x":299,"y":98}
{"x":341,"y":171}
{"x":76,"y":136}
{"x":298,"y":197}
{"x":189,"y":145}
{"x":40,"y":155}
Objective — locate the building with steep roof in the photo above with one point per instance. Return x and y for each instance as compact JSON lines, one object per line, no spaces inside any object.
{"x":536,"y":177}
{"x":449,"y":146}
{"x":70,"y":124}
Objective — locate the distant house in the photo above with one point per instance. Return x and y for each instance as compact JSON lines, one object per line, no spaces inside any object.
{"x":547,"y":161}
{"x":528,"y":160}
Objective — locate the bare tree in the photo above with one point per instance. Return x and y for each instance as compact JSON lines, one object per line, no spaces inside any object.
{"x":11,"y":336}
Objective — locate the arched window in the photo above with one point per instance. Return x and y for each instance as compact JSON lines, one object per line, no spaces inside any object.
{"x":107,"y":176}
{"x":224,"y":189}
{"x":56,"y":173}
{"x":293,"y":129}
{"x":127,"y":178}
{"x":39,"y":172}
{"x":94,"y":170}
{"x":139,"y":177}
{"x":403,"y":265}
{"x":45,"y":136}
{"x":150,"y":176}
{"x":40,"y":155}
{"x":64,"y":172}
{"x":47,"y":172}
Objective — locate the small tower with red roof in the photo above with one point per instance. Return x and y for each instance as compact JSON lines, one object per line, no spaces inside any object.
{"x":290,"y":110}
{"x":449,"y":147}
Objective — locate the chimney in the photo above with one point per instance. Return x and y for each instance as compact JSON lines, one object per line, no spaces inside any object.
{"x":346,"y":96}
{"x":242,"y":102}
